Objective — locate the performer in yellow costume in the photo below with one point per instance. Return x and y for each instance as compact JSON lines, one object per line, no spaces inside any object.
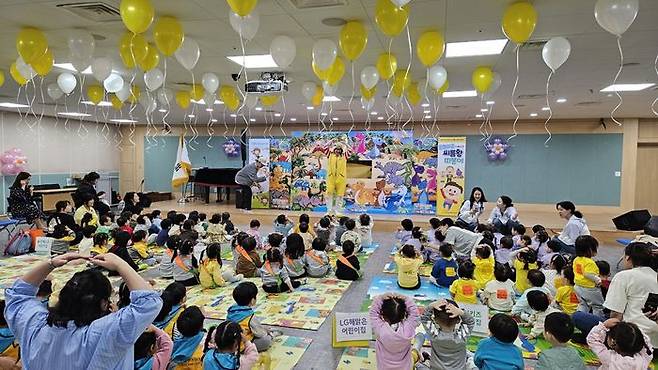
{"x":336,"y":178}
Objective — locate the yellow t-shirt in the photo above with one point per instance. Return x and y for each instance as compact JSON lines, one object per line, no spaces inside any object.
{"x":464,"y":291}
{"x":484,"y":270}
{"x":582,"y":266}
{"x":522,"y":282}
{"x":408,"y":269}
{"x":210,"y":274}
{"x":567,"y":299}
{"x":142,"y":249}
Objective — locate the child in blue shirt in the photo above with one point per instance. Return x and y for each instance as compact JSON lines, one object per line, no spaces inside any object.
{"x":498,"y":352}
{"x":444,"y":271}
{"x":223,"y":352}
{"x":188,"y":339}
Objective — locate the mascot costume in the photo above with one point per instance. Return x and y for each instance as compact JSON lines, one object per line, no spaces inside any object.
{"x":336,"y":176}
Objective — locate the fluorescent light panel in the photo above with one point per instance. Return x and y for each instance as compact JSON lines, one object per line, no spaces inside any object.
{"x":69,"y":67}
{"x":491,"y":102}
{"x":254,"y":61}
{"x":74,"y":114}
{"x":474,"y":48}
{"x":561,"y":100}
{"x":331,"y":99}
{"x":101,"y":104}
{"x":203,"y":102}
{"x":460,"y":94}
{"x":13,"y":105}
{"x":293,"y":119}
{"x":123,"y":120}
{"x":627,"y":87}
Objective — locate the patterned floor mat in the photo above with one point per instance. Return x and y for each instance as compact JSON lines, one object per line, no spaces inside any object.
{"x":287,"y":351}
{"x":355,"y":358}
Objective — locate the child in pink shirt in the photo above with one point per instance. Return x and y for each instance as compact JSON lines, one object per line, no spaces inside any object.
{"x":254,"y":230}
{"x":153,"y":349}
{"x":620,"y":345}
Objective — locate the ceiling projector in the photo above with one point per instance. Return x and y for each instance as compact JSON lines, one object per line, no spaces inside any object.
{"x":269,"y":83}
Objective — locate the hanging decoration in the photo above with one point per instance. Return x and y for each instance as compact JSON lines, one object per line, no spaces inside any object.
{"x":390,"y":18}
{"x":13,"y":161}
{"x":283,"y":50}
{"x":231,"y":148}
{"x":168,"y":35}
{"x":137,"y":15}
{"x":497,"y":149}
{"x":555,"y":52}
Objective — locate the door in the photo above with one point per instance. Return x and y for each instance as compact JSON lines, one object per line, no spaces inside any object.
{"x":646,"y":188}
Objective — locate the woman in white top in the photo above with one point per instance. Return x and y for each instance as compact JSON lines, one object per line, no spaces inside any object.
{"x":504,"y":215}
{"x":471,"y":210}
{"x":575,"y":227}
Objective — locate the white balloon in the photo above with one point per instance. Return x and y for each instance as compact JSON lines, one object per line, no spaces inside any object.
{"x":400,"y":3}
{"x":188,"y":53}
{"x":80,"y":63}
{"x":101,"y":68}
{"x":615,"y":16}
{"x":54,"y":91}
{"x":369,"y":77}
{"x":283,"y":50}
{"x":124,"y":93}
{"x":246,"y":26}
{"x":210,"y":82}
{"x":308,"y":90}
{"x":67,"y":82}
{"x":329,"y":89}
{"x":81,"y":44}
{"x":165,"y":97}
{"x":555,"y":52}
{"x":495,"y":85}
{"x":251,"y":101}
{"x":148,"y":103}
{"x":113,"y":83}
{"x":367,"y":104}
{"x":25,"y":69}
{"x":437,"y":75}
{"x":324,"y":53}
{"x":153,"y":79}
{"x":209,"y":99}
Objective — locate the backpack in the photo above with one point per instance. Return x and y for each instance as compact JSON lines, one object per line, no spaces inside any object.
{"x":19,"y":244}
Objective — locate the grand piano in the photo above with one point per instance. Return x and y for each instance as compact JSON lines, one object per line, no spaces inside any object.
{"x":221,"y":178}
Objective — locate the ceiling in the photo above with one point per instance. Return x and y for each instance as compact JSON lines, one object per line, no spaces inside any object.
{"x":592,"y":65}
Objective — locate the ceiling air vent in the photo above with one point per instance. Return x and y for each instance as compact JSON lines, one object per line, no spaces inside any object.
{"x":96,"y":11}
{"x":533,"y":45}
{"x":587,"y":103}
{"x":312,"y":4}
{"x":455,"y":106}
{"x":531,"y":96}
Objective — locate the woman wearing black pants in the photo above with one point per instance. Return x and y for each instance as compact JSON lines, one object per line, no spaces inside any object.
{"x":247,"y":177}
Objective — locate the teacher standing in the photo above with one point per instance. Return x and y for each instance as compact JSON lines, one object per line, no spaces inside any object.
{"x":246,"y":178}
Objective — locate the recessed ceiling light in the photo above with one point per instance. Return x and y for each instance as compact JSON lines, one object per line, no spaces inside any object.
{"x":331,"y":98}
{"x":491,"y":102}
{"x":209,"y":109}
{"x":627,"y":87}
{"x":425,"y":105}
{"x":335,"y":118}
{"x":309,"y":108}
{"x":213,"y":120}
{"x":162,"y":110}
{"x":373,"y":113}
{"x":71,"y":68}
{"x":428,"y":117}
{"x":380,"y":118}
{"x":545,"y":108}
{"x":533,"y":114}
{"x":123,"y":120}
{"x":473,"y":48}
{"x":561,"y":100}
{"x":254,"y":61}
{"x":427,"y":111}
{"x":324,"y":114}
{"x":478,"y":116}
{"x":277,"y":114}
{"x":101,"y":104}
{"x":484,"y":110}
{"x":13,"y":105}
{"x":74,"y":114}
{"x":233,"y":115}
{"x":252,"y":120}
{"x":259,"y":108}
{"x":191,"y":116}
{"x":203,"y":102}
{"x":293,"y":119}
{"x":460,"y":94}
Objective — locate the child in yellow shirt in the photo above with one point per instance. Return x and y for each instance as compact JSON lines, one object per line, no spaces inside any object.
{"x":139,"y":250}
{"x":483,"y":260}
{"x":523,"y":260}
{"x":586,"y":273}
{"x":211,"y":272}
{"x":100,"y":244}
{"x":464,"y":290}
{"x":408,"y":263}
{"x":566,"y":297}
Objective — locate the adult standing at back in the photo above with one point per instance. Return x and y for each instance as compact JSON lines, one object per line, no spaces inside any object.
{"x":472,"y":209}
{"x":504,"y":216}
{"x":246,"y":178}
{"x":575,"y":227}
{"x":88,"y":186}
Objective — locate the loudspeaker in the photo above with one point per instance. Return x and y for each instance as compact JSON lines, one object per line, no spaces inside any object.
{"x":633,"y":220}
{"x":651,"y":228}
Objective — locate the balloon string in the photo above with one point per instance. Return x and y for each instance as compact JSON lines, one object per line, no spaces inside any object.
{"x":406,"y":75}
{"x":349,"y":105}
{"x":427,"y":100}
{"x":210,"y":130}
{"x":550,"y":111}
{"x":489,"y":114}
{"x":18,"y":97}
{"x":244,"y":96}
{"x":167,"y":126}
{"x":224,"y":121}
{"x":268,"y":128}
{"x":484,"y":121}
{"x":43,"y":100}
{"x":653,"y":104}
{"x":31,"y":104}
{"x":516,"y":83}
{"x":389,"y":87}
{"x":66,"y":109}
{"x":436,"y":101}
{"x":195,"y":133}
{"x":283,"y":115}
{"x":614,"y":82}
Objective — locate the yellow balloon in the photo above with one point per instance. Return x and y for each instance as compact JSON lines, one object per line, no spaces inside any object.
{"x":430,"y":47}
{"x":401,"y":81}
{"x":413,"y":95}
{"x":168,"y":35}
{"x":368,"y":93}
{"x":197,"y":92}
{"x":116,"y":103}
{"x":482,"y":78}
{"x":151,"y":60}
{"x":2,"y":78}
{"x":183,"y":99}
{"x":387,"y":64}
{"x":44,"y":65}
{"x":135,"y":92}
{"x":226,"y":92}
{"x":317,"y":98}
{"x":519,"y":21}
{"x":133,"y":49}
{"x":137,"y":15}
{"x":242,"y":7}
{"x":336,"y":71}
{"x":13,"y":71}
{"x":444,"y":88}
{"x":31,"y":44}
{"x":321,"y":74}
{"x":95,"y":93}
{"x":390,"y":19}
{"x":269,"y":100}
{"x":353,"y":39}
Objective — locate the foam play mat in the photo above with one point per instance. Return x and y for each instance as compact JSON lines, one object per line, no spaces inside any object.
{"x":355,"y":358}
{"x":388,"y":283}
{"x":305,"y":308}
{"x":287,"y":351}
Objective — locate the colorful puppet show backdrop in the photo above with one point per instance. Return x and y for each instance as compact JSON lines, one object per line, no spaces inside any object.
{"x":451,"y":173}
{"x":259,"y":149}
{"x":280,"y":173}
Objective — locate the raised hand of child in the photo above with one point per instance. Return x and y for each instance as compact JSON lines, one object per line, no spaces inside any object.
{"x":454,"y":311}
{"x":62,"y":260}
{"x":610,"y":323}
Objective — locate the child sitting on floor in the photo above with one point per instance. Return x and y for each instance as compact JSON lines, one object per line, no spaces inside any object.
{"x":167,"y":259}
{"x":228,"y":224}
{"x":498,"y":351}
{"x":347,"y":265}
{"x":163,"y":234}
{"x":525,"y":241}
{"x":483,"y":259}
{"x":417,"y":239}
{"x":521,"y":307}
{"x":120,"y":248}
{"x":434,"y":227}
{"x":143,"y":223}
{"x":404,"y":234}
{"x":87,"y":242}
{"x":173,"y":303}
{"x":248,"y":260}
{"x":243,"y":314}
{"x":503,"y":253}
{"x":464,"y":289}
{"x":100,"y":244}
{"x":352,"y":235}
{"x":364,"y":228}
{"x":522,"y":260}
{"x":444,"y":271}
{"x":553,"y":273}
{"x":186,"y":266}
{"x":587,"y":277}
{"x":552,"y":249}
{"x":448,"y":329}
{"x":123,"y":224}
{"x":558,"y":329}
{"x":236,"y":241}
{"x":620,"y":345}
{"x":282,"y":225}
{"x":316,"y":260}
{"x":153,"y":350}
{"x":188,"y":347}
{"x":498,"y":294}
{"x":518,"y":231}
{"x":226,"y":353}
{"x":216,"y":232}
{"x":105,"y":225}
{"x":604,"y":273}
{"x":254,"y":231}
{"x":539,"y":243}
{"x":304,"y":232}
{"x":325,"y":230}
{"x":274,"y":240}
{"x":274,"y":274}
{"x":211,"y":272}
{"x":139,"y":251}
{"x":541,"y":306}
{"x":177,"y":224}
{"x":9,"y":351}
{"x":394,"y":319}
{"x":408,"y":264}
{"x":565,"y":297}
{"x":340,"y":229}
{"x":188,"y":232}
{"x":293,"y":256}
